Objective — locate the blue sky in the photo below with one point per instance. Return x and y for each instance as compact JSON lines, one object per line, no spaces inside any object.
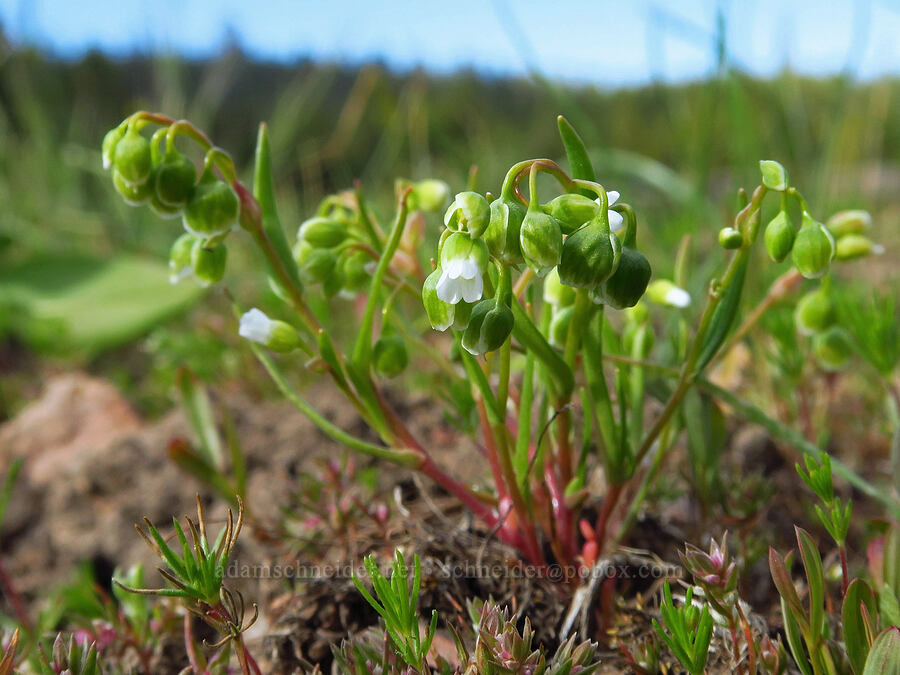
{"x":607,"y":43}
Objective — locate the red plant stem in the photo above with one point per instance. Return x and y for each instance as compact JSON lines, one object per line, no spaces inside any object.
{"x":490,"y":446}
{"x":609,"y":505}
{"x":189,"y":645}
{"x":845,"y":574}
{"x":562,"y":515}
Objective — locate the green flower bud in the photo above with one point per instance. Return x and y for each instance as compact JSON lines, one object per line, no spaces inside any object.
{"x":440,"y":313}
{"x":134,"y":195}
{"x":730,"y":238}
{"x":132,"y":158}
{"x":832,"y":348}
{"x":357,"y":267}
{"x":472,"y":212}
{"x":849,"y":222}
{"x":278,"y":336}
{"x":590,"y":255}
{"x":502,"y":233}
{"x":318,"y":265}
{"x":333,"y":285}
{"x":779,"y":237}
{"x":489,"y":326}
{"x":853,"y":246}
{"x":463,"y":261}
{"x":664,"y":292}
{"x":815,"y":312}
{"x":556,"y":292}
{"x":429,"y":195}
{"x":174,"y":180}
{"x":572,"y":211}
{"x":213,"y":209}
{"x":161,"y":209}
{"x":540,"y":239}
{"x":108,"y":148}
{"x":322,"y":232}
{"x":180,"y":265}
{"x":628,"y":283}
{"x":813,"y":248}
{"x":208,"y":263}
{"x":774,"y":176}
{"x":559,"y":326}
{"x":389,"y":356}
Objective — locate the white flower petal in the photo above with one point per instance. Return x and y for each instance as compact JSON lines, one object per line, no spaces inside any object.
{"x":473,"y":288}
{"x":447,"y":289}
{"x":615,"y":220}
{"x":454,"y":268}
{"x":678,"y":297}
{"x":612,"y":196}
{"x":256,"y":326}
{"x":469,"y":269}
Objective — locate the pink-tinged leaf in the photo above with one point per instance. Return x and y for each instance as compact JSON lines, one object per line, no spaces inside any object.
{"x":785,"y":585}
{"x":875,"y":554}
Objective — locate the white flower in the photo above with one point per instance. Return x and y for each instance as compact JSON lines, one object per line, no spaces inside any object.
{"x":460,"y":280}
{"x":615,"y":218}
{"x":256,"y":326}
{"x":678,"y":297}
{"x":664,"y":292}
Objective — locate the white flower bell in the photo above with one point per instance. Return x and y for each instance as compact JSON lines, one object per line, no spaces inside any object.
{"x":615,"y":218}
{"x":463,"y":264}
{"x":273,"y":334}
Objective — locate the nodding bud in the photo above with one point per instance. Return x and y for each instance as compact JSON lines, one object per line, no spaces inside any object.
{"x":556,"y":292}
{"x":664,"y":292}
{"x":628,"y":283}
{"x":502,"y":233}
{"x":779,"y":236}
{"x":559,"y":326}
{"x":440,"y":313}
{"x":540,"y":239}
{"x":132,"y":158}
{"x":356,"y":268}
{"x":464,"y":262}
{"x":813,"y":248}
{"x":489,"y":326}
{"x":572,"y":211}
{"x":180,"y":265}
{"x":730,"y":238}
{"x":854,"y":221}
{"x":208,"y":262}
{"x":472,"y":211}
{"x":832,"y":348}
{"x":173,"y":182}
{"x":108,"y":147}
{"x":589,"y":256}
{"x":815,"y":312}
{"x":322,"y":232}
{"x":853,"y":246}
{"x":462,"y":312}
{"x":133,"y":194}
{"x":389,"y":356}
{"x":273,"y":334}
{"x":774,"y":176}
{"x":428,"y":195}
{"x":317,"y":264}
{"x":213,"y":209}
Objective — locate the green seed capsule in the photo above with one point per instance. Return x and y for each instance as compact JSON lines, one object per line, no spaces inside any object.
{"x":322,"y":232}
{"x":502,"y":233}
{"x":489,"y":326}
{"x":355,"y":267}
{"x":854,"y":246}
{"x":208,"y":263}
{"x":132,"y":158}
{"x":833,"y":348}
{"x":174,"y":181}
{"x":774,"y":175}
{"x":180,"y":255}
{"x":134,"y":195}
{"x":629,"y":282}
{"x":108,"y":148}
{"x":213,"y":209}
{"x":541,"y":241}
{"x":815,"y":312}
{"x":730,"y":238}
{"x":779,"y":237}
{"x":389,"y":356}
{"x":855,"y":221}
{"x":589,"y":256}
{"x":572,"y":211}
{"x":813,"y":249}
{"x":318,"y":265}
{"x":472,"y":212}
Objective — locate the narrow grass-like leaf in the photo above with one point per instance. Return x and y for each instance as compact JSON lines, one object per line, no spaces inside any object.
{"x":723,"y":316}
{"x":815,"y":579}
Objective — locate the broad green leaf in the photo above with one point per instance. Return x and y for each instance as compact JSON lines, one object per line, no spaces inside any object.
{"x":576,"y":153}
{"x":884,"y":657}
{"x":96,"y":304}
{"x":854,"y":625}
